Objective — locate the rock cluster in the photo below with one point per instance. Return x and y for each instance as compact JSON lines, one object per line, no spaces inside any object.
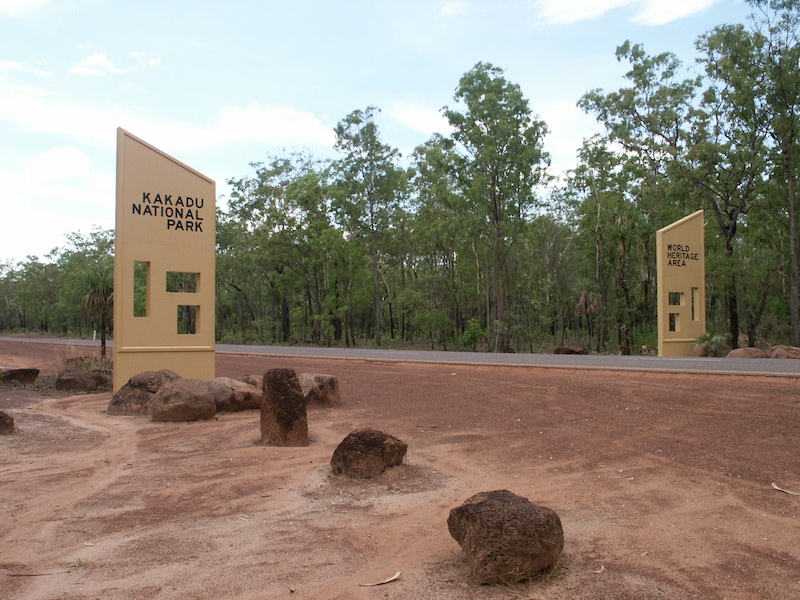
{"x":136,"y":396}
{"x":781,"y":351}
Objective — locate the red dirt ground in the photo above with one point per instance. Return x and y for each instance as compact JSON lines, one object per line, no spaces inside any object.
{"x":663,"y":484}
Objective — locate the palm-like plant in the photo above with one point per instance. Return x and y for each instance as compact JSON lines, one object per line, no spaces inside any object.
{"x":98,"y":302}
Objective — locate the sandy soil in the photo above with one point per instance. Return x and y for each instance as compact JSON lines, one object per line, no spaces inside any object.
{"x":663,"y":484}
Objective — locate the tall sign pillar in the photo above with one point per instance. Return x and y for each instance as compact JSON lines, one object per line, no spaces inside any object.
{"x":163,"y":266}
{"x":680,"y":248}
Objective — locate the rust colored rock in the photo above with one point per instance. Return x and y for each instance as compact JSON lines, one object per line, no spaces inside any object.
{"x":367,"y":453}
{"x":136,"y":396}
{"x":506,"y":538}
{"x":183,"y":400}
{"x":321,"y":390}
{"x":78,"y":380}
{"x":747,"y":353}
{"x":18,"y":376}
{"x":784,"y":352}
{"x":283,"y":410}
{"x":152,"y":381}
{"x":254,"y":380}
{"x":571,"y":350}
{"x":233,"y":395}
{"x":6,"y":423}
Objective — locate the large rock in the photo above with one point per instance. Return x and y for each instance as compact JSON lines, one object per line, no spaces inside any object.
{"x":18,"y":376}
{"x":136,"y":396}
{"x":233,"y":395}
{"x":283,"y":410}
{"x":784,"y":352}
{"x":183,"y":400}
{"x":367,"y":453}
{"x":6,"y":423}
{"x":254,"y":380}
{"x":571,"y":350}
{"x":321,"y":390}
{"x":747,"y":352}
{"x":506,"y":538}
{"x":78,"y":380}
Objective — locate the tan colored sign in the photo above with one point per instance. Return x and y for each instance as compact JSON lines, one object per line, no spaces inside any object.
{"x":681,"y":262}
{"x":164,"y":265}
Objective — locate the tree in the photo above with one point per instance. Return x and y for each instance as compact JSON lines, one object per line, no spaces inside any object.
{"x":776,"y":24}
{"x":98,"y":302}
{"x":370,"y":185}
{"x":501,"y":161}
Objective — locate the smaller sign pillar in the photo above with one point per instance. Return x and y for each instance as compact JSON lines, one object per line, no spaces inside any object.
{"x":164,"y":265}
{"x":680,"y":249}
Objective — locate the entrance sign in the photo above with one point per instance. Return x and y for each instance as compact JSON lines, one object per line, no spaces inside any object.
{"x":163,"y":266}
{"x":680,"y":249}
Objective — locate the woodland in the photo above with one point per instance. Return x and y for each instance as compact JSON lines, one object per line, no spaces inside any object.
{"x":471,"y":244}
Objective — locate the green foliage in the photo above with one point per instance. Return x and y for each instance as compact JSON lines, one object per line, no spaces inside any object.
{"x":471,"y":245}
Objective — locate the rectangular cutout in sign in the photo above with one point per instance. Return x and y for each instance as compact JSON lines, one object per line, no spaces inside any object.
{"x":141,"y":280}
{"x":182,"y":282}
{"x":187,"y":319}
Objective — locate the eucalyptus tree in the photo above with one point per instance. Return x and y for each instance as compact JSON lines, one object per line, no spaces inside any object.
{"x":650,"y":121}
{"x":776,"y":40}
{"x":443,"y":241}
{"x":276,"y":231}
{"x":369,"y":185}
{"x":501,"y":160}
{"x":728,"y":156}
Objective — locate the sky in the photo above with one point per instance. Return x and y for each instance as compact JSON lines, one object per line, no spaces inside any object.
{"x":220,"y":85}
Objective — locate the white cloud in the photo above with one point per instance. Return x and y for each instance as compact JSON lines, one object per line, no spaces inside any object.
{"x":451,"y":8}
{"x":8,"y":65}
{"x":419,"y":118}
{"x":95,"y":64}
{"x":15,"y":8}
{"x":56,"y":192}
{"x":658,"y":12}
{"x":66,"y":162}
{"x":33,"y":109}
{"x":145,"y":59}
{"x":647,"y":12}
{"x":568,"y":126}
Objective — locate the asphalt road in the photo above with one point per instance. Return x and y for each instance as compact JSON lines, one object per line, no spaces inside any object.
{"x":713,"y":366}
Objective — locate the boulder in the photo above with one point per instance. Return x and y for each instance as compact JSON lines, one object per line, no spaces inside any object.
{"x":254,"y":380}
{"x":321,"y":390}
{"x":151,"y":381}
{"x":233,"y":395}
{"x":18,"y":376}
{"x":6,"y":423}
{"x":367,"y":453}
{"x":183,"y":400}
{"x":505,"y":537}
{"x":135,"y":397}
{"x":784,"y":352}
{"x":571,"y":350}
{"x":78,"y":380}
{"x":283,"y":410}
{"x":747,"y":353}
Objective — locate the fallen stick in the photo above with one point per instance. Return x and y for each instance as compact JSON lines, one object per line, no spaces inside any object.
{"x":385,"y":581}
{"x":785,"y":491}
